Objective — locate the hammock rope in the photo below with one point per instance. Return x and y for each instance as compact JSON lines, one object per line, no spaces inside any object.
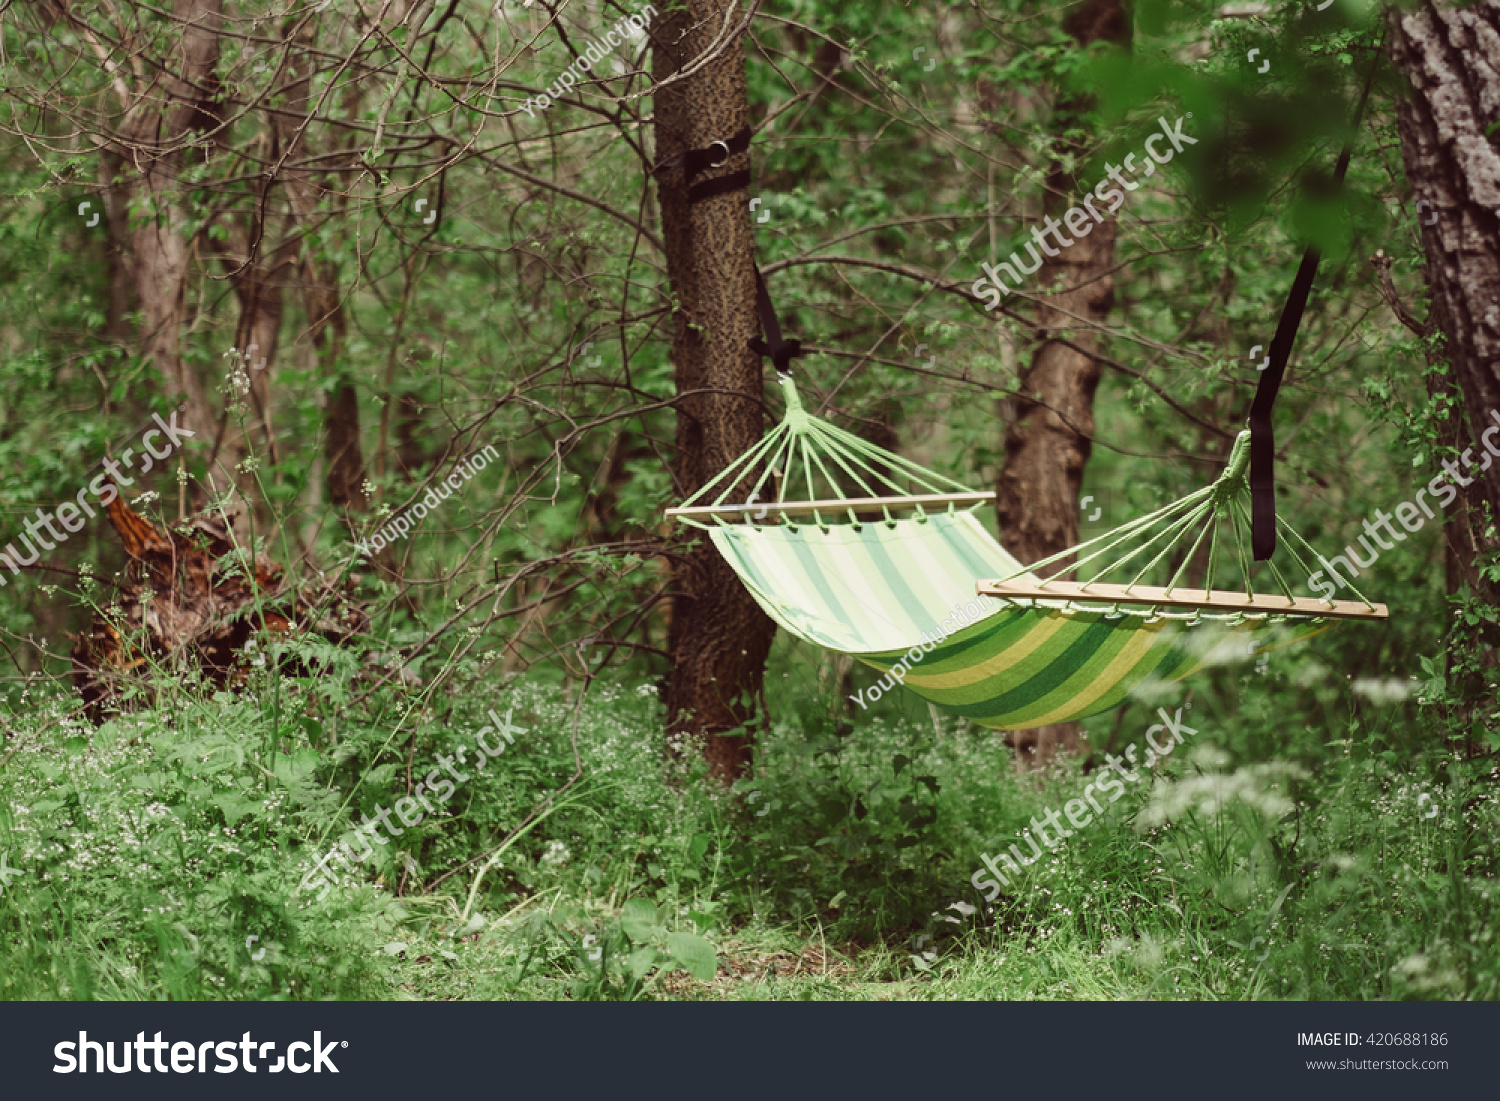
{"x":806,"y":449}
{"x":1210,"y":506}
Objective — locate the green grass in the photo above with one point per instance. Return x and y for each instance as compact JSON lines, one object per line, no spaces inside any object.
{"x":1354,"y":864}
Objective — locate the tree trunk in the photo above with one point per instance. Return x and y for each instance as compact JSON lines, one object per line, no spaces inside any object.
{"x":719,"y":635}
{"x":259,"y":270}
{"x":321,"y":296}
{"x":346,"y":464}
{"x":258,"y":285}
{"x":1449,"y":58}
{"x":121,"y":269}
{"x":1452,"y":160}
{"x":157,"y":135}
{"x":412,"y":436}
{"x":1048,"y":440}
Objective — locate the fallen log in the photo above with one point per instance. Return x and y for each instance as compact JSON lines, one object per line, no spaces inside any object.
{"x":187,"y":600}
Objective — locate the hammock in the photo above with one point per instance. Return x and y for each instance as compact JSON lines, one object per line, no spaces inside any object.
{"x":911,"y":596}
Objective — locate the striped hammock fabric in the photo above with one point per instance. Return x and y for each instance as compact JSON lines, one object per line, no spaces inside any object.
{"x":886,"y":593}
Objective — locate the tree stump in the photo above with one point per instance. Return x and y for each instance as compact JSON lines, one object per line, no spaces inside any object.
{"x":187,"y":601}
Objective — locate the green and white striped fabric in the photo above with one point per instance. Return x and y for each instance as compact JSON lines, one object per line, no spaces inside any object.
{"x":866,"y":587}
{"x":887,"y":592}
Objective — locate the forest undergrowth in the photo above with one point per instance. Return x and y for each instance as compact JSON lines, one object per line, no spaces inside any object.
{"x":1349,"y":855}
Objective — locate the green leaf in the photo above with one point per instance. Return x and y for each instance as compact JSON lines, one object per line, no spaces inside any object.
{"x":695,"y":954}
{"x":294,"y":767}
{"x":638,"y":919}
{"x":234,"y":807}
{"x":698,"y":846}
{"x":218,"y":754}
{"x":641,"y":961}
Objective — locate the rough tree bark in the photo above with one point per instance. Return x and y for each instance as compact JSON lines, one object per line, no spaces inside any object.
{"x":1450,"y":146}
{"x":346,"y":464}
{"x":719,"y":636}
{"x":1451,"y":59}
{"x":1048,"y":439}
{"x":1463,"y":520}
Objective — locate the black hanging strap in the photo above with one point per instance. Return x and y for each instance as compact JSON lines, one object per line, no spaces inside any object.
{"x":714,"y":155}
{"x":695,"y":162}
{"x":735,"y":181}
{"x":1262,"y":434}
{"x":781,"y":351}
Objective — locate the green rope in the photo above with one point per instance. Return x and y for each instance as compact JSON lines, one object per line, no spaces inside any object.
{"x":1308,"y":568}
{"x":1213,"y":551}
{"x":921,"y":475}
{"x":1211,"y":526}
{"x":839,"y":458}
{"x":1239,"y":543}
{"x":745,"y":461}
{"x":1286,"y":590}
{"x":807,"y":470}
{"x":1119,"y":535}
{"x":1180,"y":526}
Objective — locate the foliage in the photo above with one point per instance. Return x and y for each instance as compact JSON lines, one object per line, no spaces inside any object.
{"x":1293,"y":856}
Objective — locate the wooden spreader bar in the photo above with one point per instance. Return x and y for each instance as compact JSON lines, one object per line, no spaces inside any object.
{"x":1208,"y":599}
{"x":760,"y":511}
